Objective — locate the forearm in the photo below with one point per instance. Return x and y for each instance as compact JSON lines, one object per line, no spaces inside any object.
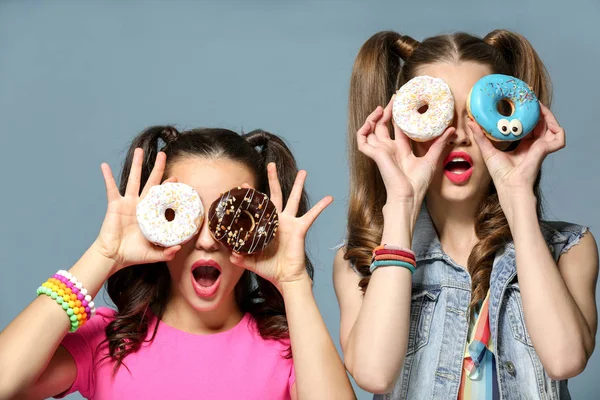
{"x":377,"y":342}
{"x":32,"y":338}
{"x":320,"y":373}
{"x":556,"y":325}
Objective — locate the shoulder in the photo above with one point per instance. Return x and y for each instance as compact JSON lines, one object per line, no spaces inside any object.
{"x":105,"y":314}
{"x":98,"y":322}
{"x":250,"y":341}
{"x":93,"y":332}
{"x":561,"y":236}
{"x":554,"y":229}
{"x":103,"y":317}
{"x":339,"y":261}
{"x":344,"y":268}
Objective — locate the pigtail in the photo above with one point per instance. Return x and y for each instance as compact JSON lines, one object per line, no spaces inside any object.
{"x":138,"y":291}
{"x":150,"y":141}
{"x":523,"y":61}
{"x":491,"y":225}
{"x":376,"y":75}
{"x":270,"y":312}
{"x":272,"y":148}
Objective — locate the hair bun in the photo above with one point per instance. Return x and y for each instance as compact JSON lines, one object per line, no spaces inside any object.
{"x":169,"y":134}
{"x":258,"y":139}
{"x":405,"y":45}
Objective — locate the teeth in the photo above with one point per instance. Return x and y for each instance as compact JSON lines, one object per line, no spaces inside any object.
{"x":458,"y":159}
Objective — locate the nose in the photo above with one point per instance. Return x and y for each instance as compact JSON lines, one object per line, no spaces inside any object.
{"x":205,"y":240}
{"x":462,"y":134}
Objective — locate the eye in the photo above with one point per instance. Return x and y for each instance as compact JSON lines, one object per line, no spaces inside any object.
{"x":516,"y":127}
{"x":504,"y":126}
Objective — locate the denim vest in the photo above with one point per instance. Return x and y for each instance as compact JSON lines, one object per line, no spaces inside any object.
{"x":439,"y":321}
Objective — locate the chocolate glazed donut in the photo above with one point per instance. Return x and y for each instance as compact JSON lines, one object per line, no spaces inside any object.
{"x":244,"y":220}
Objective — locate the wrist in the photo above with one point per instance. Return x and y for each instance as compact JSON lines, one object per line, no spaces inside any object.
{"x":518,"y":204}
{"x":395,"y":208}
{"x":104,"y":260}
{"x":288,"y":286}
{"x":398,"y":222}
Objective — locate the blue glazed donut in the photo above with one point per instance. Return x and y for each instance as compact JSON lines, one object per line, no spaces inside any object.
{"x":482,"y":105}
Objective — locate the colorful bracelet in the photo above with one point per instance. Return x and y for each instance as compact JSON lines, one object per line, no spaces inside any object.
{"x":387,"y":263}
{"x":387,"y":255}
{"x":71,"y":296}
{"x":407,"y":254}
{"x":397,"y":258}
{"x":391,"y":247}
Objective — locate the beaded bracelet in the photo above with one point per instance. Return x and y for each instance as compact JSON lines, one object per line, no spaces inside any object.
{"x":71,"y":296}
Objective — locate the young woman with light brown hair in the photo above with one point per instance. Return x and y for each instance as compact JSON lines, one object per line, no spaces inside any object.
{"x":485,"y":258}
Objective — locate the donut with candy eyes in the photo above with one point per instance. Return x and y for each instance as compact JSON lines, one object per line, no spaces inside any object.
{"x":496,"y":90}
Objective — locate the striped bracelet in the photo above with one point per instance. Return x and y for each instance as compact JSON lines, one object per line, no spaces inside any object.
{"x":387,"y":255}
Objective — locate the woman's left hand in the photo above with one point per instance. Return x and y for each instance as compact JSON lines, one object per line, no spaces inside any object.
{"x":517,"y":170}
{"x":283,"y":260}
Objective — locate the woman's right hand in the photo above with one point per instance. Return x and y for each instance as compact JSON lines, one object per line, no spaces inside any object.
{"x":120,"y":238}
{"x":406,"y":176}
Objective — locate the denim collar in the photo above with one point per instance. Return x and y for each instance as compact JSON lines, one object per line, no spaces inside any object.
{"x":426,"y":243}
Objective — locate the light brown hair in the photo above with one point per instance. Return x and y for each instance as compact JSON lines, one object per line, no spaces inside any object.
{"x":384,"y":63}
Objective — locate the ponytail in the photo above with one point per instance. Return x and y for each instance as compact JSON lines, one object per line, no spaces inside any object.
{"x":268,"y":314}
{"x":149,"y":141}
{"x":376,"y":75}
{"x":523,"y":61}
{"x":138,"y":291}
{"x":272,"y":149}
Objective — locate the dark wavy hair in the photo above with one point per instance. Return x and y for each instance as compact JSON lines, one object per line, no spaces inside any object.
{"x":386,"y":61}
{"x":140,"y":292}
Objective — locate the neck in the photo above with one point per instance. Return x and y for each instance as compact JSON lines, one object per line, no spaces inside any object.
{"x":455,"y":226}
{"x":181,"y":315}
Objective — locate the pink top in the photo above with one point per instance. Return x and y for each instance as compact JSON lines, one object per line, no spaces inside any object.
{"x":235,"y":364}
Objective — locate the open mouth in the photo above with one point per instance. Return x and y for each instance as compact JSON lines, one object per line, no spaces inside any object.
{"x":458,"y":166}
{"x":206,"y":277}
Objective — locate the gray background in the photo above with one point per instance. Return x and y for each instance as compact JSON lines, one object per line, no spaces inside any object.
{"x":78,"y":81}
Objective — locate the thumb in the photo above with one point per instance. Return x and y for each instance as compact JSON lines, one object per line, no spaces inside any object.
{"x":170,"y":252}
{"x":437,"y":148}
{"x":158,"y":254}
{"x":484,"y":144}
{"x":242,"y":261}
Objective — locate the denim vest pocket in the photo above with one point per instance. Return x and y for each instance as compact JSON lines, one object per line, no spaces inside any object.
{"x":514,"y":310}
{"x":421,"y":314}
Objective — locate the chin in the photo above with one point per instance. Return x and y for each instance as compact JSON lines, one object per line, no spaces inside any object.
{"x":456,"y":193}
{"x":202,"y":305}
{"x":222,"y":295}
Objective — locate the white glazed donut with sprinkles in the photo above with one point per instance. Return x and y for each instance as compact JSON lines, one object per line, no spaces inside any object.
{"x":414,"y":95}
{"x":183,"y":201}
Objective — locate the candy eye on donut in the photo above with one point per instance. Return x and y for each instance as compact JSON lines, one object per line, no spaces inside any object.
{"x":516,"y":127}
{"x":505,"y":127}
